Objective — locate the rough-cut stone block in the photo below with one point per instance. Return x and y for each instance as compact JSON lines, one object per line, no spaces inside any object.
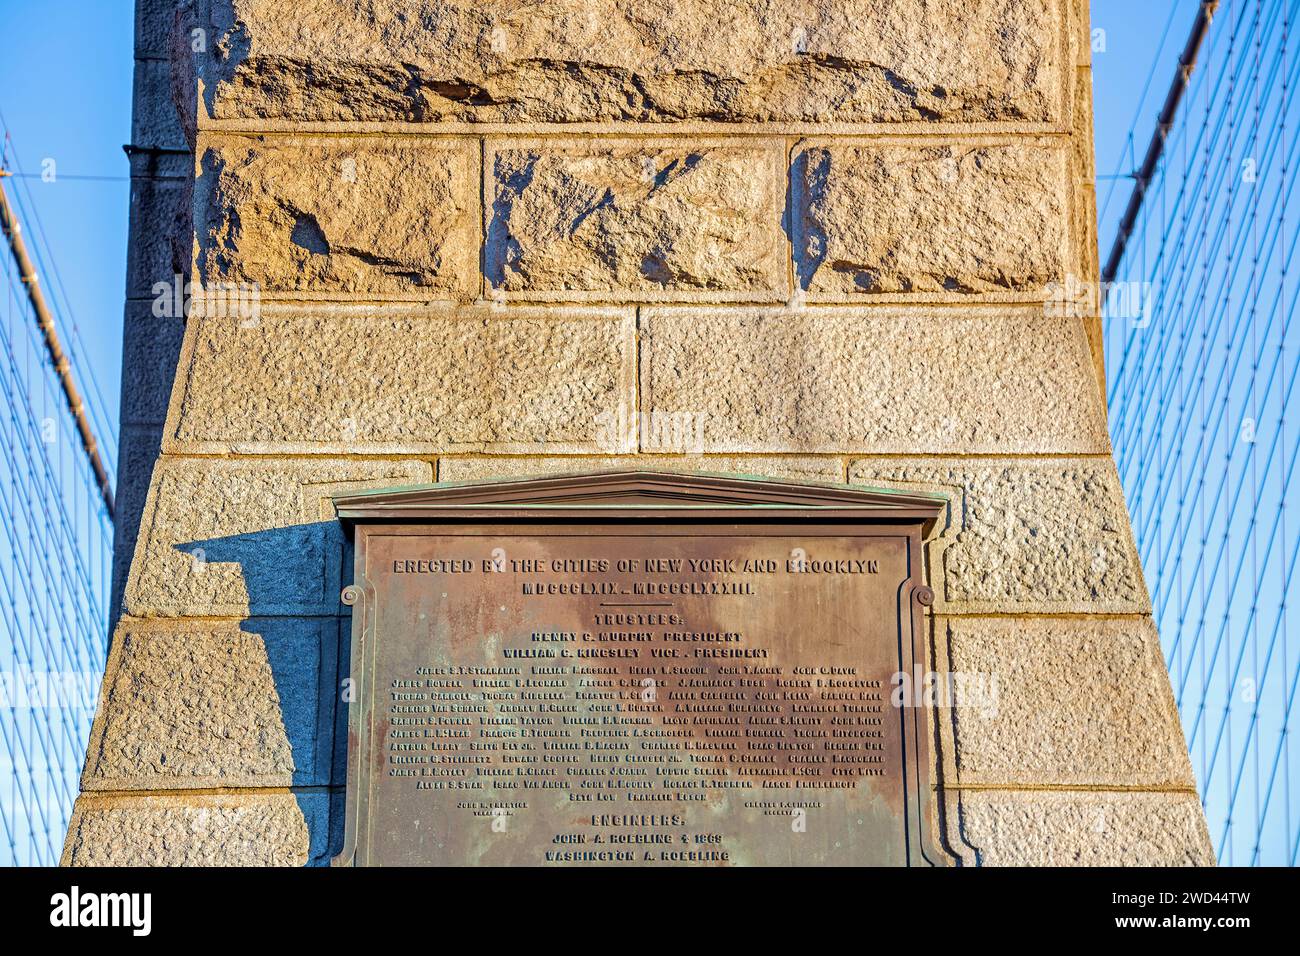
{"x":574,"y":60}
{"x":873,"y":380}
{"x":936,"y":219}
{"x":340,"y":215}
{"x":195,"y":704}
{"x":151,"y":345}
{"x":137,"y":450}
{"x":772,"y":466}
{"x":154,"y":120}
{"x":157,"y":212}
{"x":153,"y":25}
{"x":246,"y":829}
{"x":1045,"y":828}
{"x":243,"y":538}
{"x":1049,"y":536}
{"x":645,"y":219}
{"x":1079,"y":23}
{"x":1084,"y":157}
{"x":1086,"y":261}
{"x":1060,"y":701}
{"x":406,"y":380}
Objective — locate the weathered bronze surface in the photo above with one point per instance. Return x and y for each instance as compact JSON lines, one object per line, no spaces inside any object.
{"x":637,"y":669}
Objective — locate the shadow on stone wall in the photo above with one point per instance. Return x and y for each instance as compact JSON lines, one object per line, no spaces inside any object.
{"x":308,"y":657}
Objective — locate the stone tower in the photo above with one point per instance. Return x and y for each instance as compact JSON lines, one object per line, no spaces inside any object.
{"x":845,"y":241}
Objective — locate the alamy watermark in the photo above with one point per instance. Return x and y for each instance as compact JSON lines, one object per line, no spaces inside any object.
{"x":49,"y":690}
{"x":1126,"y":300}
{"x":679,"y":432}
{"x":76,"y":908}
{"x":180,"y":299}
{"x":955,"y":690}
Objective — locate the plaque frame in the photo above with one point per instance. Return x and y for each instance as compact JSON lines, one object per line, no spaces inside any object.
{"x":643,"y":503}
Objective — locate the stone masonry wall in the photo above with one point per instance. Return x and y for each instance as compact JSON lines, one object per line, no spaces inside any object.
{"x":817,"y":239}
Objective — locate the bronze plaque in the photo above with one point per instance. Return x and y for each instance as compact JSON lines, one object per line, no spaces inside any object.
{"x":627,"y":670}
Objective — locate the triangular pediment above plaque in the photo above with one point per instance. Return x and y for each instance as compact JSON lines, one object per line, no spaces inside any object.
{"x":637,"y":493}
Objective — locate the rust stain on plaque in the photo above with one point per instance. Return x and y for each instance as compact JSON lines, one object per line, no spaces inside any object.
{"x":652,"y":670}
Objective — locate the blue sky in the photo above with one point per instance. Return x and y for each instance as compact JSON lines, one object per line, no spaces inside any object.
{"x":65,"y":94}
{"x":1135,"y":51}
